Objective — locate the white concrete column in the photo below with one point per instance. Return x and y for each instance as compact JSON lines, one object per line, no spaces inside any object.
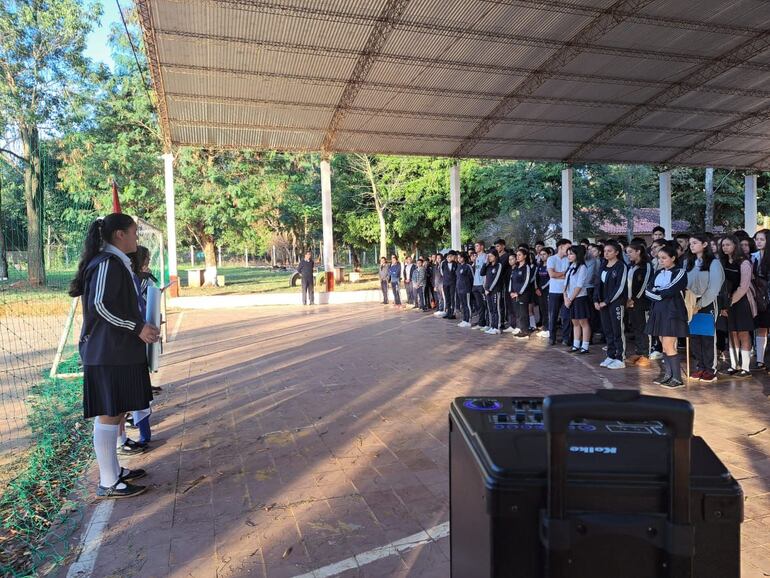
{"x":665,"y":203}
{"x":455,"y":205}
{"x":567,"y":222}
{"x":168,"y":165}
{"x":750,"y":220}
{"x":326,"y":214}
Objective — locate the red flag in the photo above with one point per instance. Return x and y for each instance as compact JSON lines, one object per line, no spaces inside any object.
{"x":115,"y":199}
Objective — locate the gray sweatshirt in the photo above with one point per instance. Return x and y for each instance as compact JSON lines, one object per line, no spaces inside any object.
{"x":705,"y":285}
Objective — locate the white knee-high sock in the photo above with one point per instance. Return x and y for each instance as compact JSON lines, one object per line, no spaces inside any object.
{"x":760,"y":345}
{"x":105,"y":437}
{"x":745,"y":359}
{"x":733,"y":356}
{"x":532,"y":321}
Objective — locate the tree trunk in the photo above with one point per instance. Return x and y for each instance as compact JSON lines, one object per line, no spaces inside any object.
{"x":210,"y":255}
{"x":356,"y":260}
{"x":383,"y":230}
{"x":33,"y":196}
{"x":708,"y":221}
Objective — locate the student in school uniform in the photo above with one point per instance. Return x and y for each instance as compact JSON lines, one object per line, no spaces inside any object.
{"x":761,"y":262}
{"x":113,"y":340}
{"x":493,"y":278}
{"x":384,"y":279}
{"x":741,"y":308}
{"x":668,"y":314}
{"x":521,"y":291}
{"x":637,"y":304}
{"x":394,"y":272}
{"x":557,"y":268}
{"x":418,"y":285}
{"x":610,"y":302}
{"x":705,"y":279}
{"x":478,"y":286}
{"x":449,"y":284}
{"x":576,"y":299}
{"x":438,"y":286}
{"x":503,"y":257}
{"x":464,"y":287}
{"x":542,"y":282}
{"x":407,"y":278}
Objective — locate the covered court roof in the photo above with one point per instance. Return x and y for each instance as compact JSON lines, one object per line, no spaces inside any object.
{"x":669,"y":82}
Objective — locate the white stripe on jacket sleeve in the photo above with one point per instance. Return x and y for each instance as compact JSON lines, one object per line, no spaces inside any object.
{"x":101,"y":278}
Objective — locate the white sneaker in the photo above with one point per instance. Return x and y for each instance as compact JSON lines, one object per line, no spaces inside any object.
{"x":463,"y":324}
{"x":616,"y":364}
{"x":495,"y":332}
{"x":516,"y":331}
{"x":606,"y":362}
{"x":485,"y":328}
{"x":441,"y":314}
{"x":436,"y":313}
{"x":656,"y":355}
{"x":509,"y":330}
{"x":544,"y":334}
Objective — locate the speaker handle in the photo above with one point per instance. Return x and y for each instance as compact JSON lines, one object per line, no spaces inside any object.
{"x":627,"y":405}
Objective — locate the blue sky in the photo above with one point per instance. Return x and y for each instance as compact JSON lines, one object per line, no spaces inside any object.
{"x":98,"y":48}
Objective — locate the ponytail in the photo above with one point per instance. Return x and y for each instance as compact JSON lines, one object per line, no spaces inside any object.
{"x":99,"y":232}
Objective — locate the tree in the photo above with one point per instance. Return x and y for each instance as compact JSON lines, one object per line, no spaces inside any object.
{"x":43,"y":84}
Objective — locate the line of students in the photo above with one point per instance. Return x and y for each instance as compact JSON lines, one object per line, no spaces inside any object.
{"x":712,"y":290}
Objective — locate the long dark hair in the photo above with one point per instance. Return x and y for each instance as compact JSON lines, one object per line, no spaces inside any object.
{"x":764,"y":261}
{"x":525,"y":252}
{"x":138,"y":259}
{"x":641,"y":248}
{"x":99,"y":232}
{"x":580,"y":255}
{"x":738,"y":256}
{"x":708,"y":254}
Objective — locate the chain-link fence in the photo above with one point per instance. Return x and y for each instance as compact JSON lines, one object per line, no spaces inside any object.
{"x":44,"y":440}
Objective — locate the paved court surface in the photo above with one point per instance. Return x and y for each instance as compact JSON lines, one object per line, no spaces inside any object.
{"x":291,"y":439}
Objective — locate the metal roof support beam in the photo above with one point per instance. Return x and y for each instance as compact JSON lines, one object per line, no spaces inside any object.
{"x":665,"y":202}
{"x":750,"y":212}
{"x":460,"y":66}
{"x":595,"y":29}
{"x":326,"y":219}
{"x":435,"y":29}
{"x":567,"y":212}
{"x":455,"y":205}
{"x":744,"y":123}
{"x":700,"y":76}
{"x":153,"y":62}
{"x":389,"y":15}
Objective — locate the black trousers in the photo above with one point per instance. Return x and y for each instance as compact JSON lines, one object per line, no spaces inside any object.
{"x":542,"y":303}
{"x":613,"y":328}
{"x":637,"y":315}
{"x":438,"y":296}
{"x":520,"y":318}
{"x":307,"y":291}
{"x":464,"y":302}
{"x":481,"y":305}
{"x":384,"y":289}
{"x":450,"y":293}
{"x":409,"y":292}
{"x":557,"y":310}
{"x":493,"y":309}
{"x":396,"y":292}
{"x":506,"y":308}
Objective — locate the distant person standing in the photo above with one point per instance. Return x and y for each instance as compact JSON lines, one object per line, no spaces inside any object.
{"x":384,"y":279}
{"x":394,"y":272}
{"x":305,"y":269}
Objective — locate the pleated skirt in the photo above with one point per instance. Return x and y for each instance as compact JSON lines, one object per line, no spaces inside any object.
{"x":580,"y":308}
{"x":115,"y":389}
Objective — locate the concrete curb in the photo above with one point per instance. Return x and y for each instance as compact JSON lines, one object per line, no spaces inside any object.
{"x":257,"y":299}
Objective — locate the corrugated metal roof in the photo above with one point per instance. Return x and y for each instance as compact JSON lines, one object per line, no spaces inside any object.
{"x":640,"y":81}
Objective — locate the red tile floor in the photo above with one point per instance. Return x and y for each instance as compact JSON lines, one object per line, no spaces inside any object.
{"x":313,"y":442}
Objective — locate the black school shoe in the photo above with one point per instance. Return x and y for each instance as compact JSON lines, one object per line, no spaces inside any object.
{"x":113,"y":492}
{"x":132,"y":448}
{"x":672,"y":383}
{"x":127,"y":475}
{"x":742,"y":374}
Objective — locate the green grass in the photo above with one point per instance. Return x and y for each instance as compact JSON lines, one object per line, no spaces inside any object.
{"x":36,"y":501}
{"x":239,"y":280}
